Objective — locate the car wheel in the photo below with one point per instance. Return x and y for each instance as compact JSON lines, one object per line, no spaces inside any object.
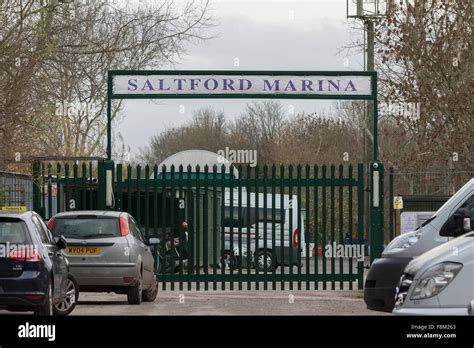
{"x":67,"y":305}
{"x":134,"y":293}
{"x":46,"y":309}
{"x":149,"y":295}
{"x":263,"y":257}
{"x":231,"y":262}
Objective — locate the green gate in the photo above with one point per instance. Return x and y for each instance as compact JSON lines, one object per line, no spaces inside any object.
{"x":278,"y":227}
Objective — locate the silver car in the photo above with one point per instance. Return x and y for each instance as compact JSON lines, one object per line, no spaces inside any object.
{"x":107,"y":252}
{"x":439,"y":282}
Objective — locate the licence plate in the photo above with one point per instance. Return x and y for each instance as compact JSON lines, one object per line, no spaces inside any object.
{"x":82,"y":250}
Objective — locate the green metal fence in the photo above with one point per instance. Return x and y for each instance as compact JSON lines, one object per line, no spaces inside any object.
{"x":278,"y":227}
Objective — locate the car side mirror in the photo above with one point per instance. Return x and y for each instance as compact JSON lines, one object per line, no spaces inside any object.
{"x":154,"y":241}
{"x":459,"y":223}
{"x":61,"y":242}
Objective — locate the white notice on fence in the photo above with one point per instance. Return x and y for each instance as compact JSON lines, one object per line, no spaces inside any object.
{"x":408,"y":221}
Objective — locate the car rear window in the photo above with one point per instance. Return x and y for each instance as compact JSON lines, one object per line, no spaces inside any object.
{"x":14,"y":231}
{"x":86,"y":228}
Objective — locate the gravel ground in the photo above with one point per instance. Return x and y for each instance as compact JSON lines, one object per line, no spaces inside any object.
{"x":229,"y":303}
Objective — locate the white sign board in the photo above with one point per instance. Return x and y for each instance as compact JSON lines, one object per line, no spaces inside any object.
{"x":411,"y":220}
{"x":213,"y":84}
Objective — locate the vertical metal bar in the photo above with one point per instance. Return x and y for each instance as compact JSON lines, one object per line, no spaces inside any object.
{"x":239,"y":203}
{"x":109,"y":115}
{"x":306,"y":224}
{"x":206,"y":227}
{"x":341,"y":224}
{"x":129,"y":189}
{"x":333,"y":259}
{"x":180,"y":228}
{"x":290,"y":230}
{"x":155,"y":210}
{"x":91,"y":188}
{"x":324,"y":223}
{"x":155,"y":201}
{"x":138,"y":213}
{"x":164,"y":187}
{"x":274,"y":242}
{"x":58,"y":188}
{"x":214,"y":227}
{"x":66,"y":185}
{"x":172,"y":222}
{"x":76,"y":191}
{"x":257,"y":227}
{"x":222,"y":229}
{"x":282,"y":226}
{"x":316,"y":224}
{"x":375,"y":113}
{"x":231,"y":228}
{"x":147,"y":201}
{"x":350,"y":222}
{"x":265,"y":231}
{"x":390,"y":202}
{"x":50,"y":193}
{"x":198,"y":228}
{"x":84,"y":186}
{"x":298,"y":223}
{"x":360,"y":221}
{"x":119,"y":192}
{"x":190,"y":220}
{"x":248,"y":229}
{"x":43,"y":193}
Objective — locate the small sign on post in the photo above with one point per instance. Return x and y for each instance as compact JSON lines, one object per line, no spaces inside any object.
{"x":398,"y":203}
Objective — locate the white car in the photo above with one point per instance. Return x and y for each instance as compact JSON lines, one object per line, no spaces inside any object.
{"x":439,"y":282}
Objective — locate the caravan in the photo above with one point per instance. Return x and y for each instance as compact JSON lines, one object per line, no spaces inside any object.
{"x":267,"y":230}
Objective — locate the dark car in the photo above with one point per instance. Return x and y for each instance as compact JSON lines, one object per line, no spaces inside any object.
{"x":33,"y":270}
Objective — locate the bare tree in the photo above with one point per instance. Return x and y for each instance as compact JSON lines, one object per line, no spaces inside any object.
{"x":206,"y":131}
{"x":425,"y":64}
{"x":71,"y":46}
{"x":260,"y":125}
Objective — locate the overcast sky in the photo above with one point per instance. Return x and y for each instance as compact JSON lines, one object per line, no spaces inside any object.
{"x":261,"y":35}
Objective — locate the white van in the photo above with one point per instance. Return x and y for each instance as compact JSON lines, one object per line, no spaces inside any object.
{"x":279,"y":223}
{"x":439,"y":282}
{"x":385,"y":272}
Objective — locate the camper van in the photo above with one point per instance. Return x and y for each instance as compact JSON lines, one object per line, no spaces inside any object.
{"x":273,"y":230}
{"x":445,"y":224}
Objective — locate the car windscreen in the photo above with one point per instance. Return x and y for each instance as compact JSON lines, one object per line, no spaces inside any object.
{"x":86,"y":228}
{"x":14,"y":231}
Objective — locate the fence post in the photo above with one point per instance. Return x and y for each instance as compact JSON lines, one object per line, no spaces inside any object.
{"x":360,"y":221}
{"x":103,"y":167}
{"x":376,"y":209}
{"x":390,"y":202}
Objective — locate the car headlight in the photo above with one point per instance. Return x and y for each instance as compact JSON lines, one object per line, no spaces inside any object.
{"x":404,"y":241}
{"x":435,"y":279}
